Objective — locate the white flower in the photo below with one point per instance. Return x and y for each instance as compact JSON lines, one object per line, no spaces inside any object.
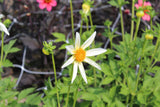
{"x":79,"y":55}
{"x":3,"y":28}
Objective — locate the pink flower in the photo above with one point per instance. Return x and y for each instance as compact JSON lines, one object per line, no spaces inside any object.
{"x":144,"y":5}
{"x":47,"y":4}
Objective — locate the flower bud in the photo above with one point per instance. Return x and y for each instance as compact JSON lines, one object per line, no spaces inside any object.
{"x":45,"y":51}
{"x":140,"y":13}
{"x":149,"y":36}
{"x":86,"y":8}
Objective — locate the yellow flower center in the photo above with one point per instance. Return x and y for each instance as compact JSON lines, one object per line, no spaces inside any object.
{"x":47,"y":1}
{"x":86,"y":8}
{"x":80,"y":55}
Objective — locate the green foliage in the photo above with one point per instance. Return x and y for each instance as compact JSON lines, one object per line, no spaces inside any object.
{"x":12,"y":98}
{"x":60,"y":37}
{"x":118,"y":3}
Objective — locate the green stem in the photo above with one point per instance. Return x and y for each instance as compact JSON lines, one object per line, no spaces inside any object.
{"x":72,"y":22}
{"x":155,"y":50}
{"x":55,"y":76}
{"x":75,"y":96}
{"x":132,"y":99}
{"x":137,"y":28}
{"x":81,"y":25}
{"x":68,"y":95}
{"x":68,"y":90}
{"x":87,"y":25}
{"x":95,"y":78}
{"x":132,"y":21}
{"x":139,"y":72}
{"x":127,"y":99}
{"x":90,"y":18}
{"x":93,"y":45}
{"x":151,"y":24}
{"x":2,"y":43}
{"x":122,"y":27}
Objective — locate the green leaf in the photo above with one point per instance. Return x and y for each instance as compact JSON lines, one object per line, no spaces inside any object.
{"x":8,"y":46}
{"x":60,"y":37}
{"x":25,"y":93}
{"x":98,"y":103}
{"x":113,"y":3}
{"x":33,"y":99}
{"x":7,"y":63}
{"x":141,"y":98}
{"x":124,"y":90}
{"x":105,"y":69}
{"x":107,"y":80}
{"x":112,"y":92}
{"x":8,"y":95}
{"x":88,"y":96}
{"x":13,"y":50}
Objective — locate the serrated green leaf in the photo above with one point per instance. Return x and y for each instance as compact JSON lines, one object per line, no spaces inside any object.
{"x":107,"y":80}
{"x":7,"y":63}
{"x":13,"y":50}
{"x":33,"y":99}
{"x":60,"y":37}
{"x":25,"y":93}
{"x":105,"y":69}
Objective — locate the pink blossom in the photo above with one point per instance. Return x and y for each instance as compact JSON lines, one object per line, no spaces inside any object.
{"x":47,"y":4}
{"x":144,"y":5}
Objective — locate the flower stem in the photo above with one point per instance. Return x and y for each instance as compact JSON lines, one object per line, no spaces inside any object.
{"x":151,"y":24}
{"x":72,"y":22}
{"x":81,"y":25}
{"x":75,"y":96}
{"x":122,"y":27}
{"x":155,"y":50}
{"x":132,"y":21}
{"x":137,"y":28}
{"x":55,"y":76}
{"x":87,"y":25}
{"x":132,"y":99}
{"x":68,"y":95}
{"x":2,"y":43}
{"x":93,"y":45}
{"x":90,"y":18}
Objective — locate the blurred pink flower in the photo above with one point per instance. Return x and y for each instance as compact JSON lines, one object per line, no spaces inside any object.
{"x":47,"y":4}
{"x":144,"y":5}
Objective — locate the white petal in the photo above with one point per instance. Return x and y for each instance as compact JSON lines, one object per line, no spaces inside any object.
{"x":91,"y":62}
{"x":68,"y":62}
{"x":89,"y":41}
{"x":78,"y":40}
{"x":3,"y":28}
{"x":96,"y":51}
{"x":82,"y":71}
{"x":75,"y":69}
{"x":70,"y":48}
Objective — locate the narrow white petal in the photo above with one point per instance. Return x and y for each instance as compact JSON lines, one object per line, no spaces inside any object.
{"x":78,"y":40}
{"x":68,"y":62}
{"x":3,"y":28}
{"x":96,"y":51}
{"x":91,"y":62}
{"x":70,"y":48}
{"x":82,"y":71}
{"x":89,"y":41}
{"x":75,"y":69}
